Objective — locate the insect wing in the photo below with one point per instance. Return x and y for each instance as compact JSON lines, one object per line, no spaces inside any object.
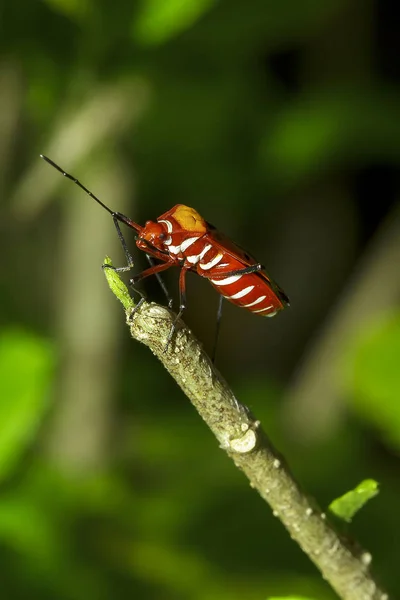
{"x":226,"y":245}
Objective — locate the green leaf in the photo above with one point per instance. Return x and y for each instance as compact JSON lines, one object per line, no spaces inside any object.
{"x":26,"y":368}
{"x":117,"y":286}
{"x":347,"y":505}
{"x":160,"y":20}
{"x":372,"y":375}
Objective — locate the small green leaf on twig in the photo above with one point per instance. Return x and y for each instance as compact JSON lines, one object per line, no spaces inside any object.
{"x":347,"y":505}
{"x":117,"y":286}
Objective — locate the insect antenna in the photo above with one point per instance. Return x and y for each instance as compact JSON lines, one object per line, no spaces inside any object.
{"x":116,"y":215}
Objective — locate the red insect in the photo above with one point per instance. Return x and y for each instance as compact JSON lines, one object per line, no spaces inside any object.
{"x":181,"y":237}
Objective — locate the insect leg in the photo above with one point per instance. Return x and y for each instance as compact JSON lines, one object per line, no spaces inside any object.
{"x":128,"y":255}
{"x":153,"y":270}
{"x":218,"y":325}
{"x":244,"y":271}
{"x":161,"y":282}
{"x":182,"y":304}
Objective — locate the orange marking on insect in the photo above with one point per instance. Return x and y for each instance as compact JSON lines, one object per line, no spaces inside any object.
{"x":189,"y":219}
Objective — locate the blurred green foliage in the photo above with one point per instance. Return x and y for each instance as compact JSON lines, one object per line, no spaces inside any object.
{"x":290,"y":598}
{"x":26,"y":369}
{"x":373,"y":376}
{"x":280,"y":123}
{"x":159,"y":21}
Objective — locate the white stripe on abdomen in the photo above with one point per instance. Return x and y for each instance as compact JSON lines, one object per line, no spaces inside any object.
{"x":227,"y":280}
{"x":263,"y":309}
{"x":260,"y":299}
{"x":242,"y":293}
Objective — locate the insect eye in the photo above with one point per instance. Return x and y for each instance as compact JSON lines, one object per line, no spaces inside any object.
{"x":162,"y":236}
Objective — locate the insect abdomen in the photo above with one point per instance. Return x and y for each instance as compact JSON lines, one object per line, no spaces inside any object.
{"x":249,"y":291}
{"x":252,"y":291}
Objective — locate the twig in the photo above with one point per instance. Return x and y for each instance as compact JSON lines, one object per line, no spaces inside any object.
{"x":242,"y":437}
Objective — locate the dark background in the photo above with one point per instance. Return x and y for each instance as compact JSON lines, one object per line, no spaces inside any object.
{"x":279,"y":122}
